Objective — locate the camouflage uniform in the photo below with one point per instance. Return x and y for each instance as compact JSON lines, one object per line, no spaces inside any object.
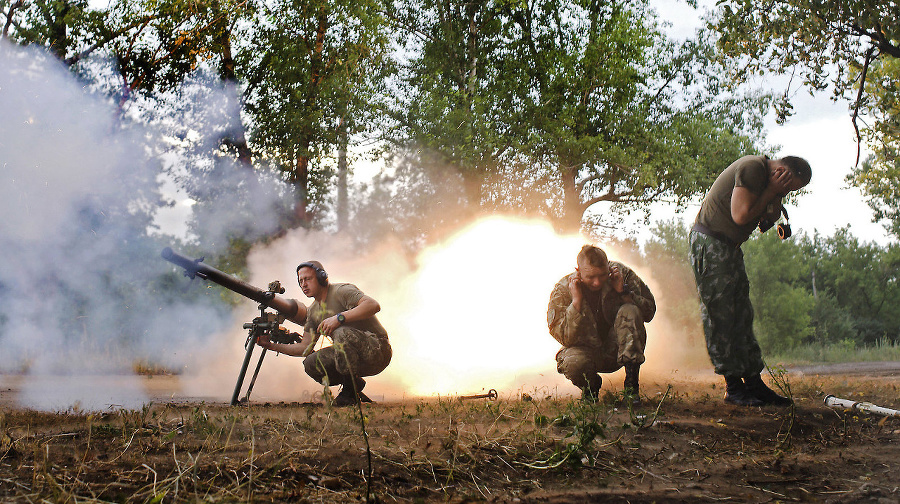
{"x":359,"y":348}
{"x":606,"y":333}
{"x":725,"y":306}
{"x":718,"y":264}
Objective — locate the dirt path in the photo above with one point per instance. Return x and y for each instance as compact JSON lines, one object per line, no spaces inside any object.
{"x":883,"y":368}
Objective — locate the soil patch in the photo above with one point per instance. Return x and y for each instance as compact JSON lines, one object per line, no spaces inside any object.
{"x":682,"y":444}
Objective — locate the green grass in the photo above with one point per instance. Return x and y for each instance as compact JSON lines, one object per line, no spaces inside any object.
{"x":838,"y":352}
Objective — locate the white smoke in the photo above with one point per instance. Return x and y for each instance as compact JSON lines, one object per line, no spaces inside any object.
{"x":83,"y":290}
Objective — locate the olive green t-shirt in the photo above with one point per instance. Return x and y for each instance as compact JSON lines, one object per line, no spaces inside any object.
{"x":340,"y":298}
{"x":750,"y":172}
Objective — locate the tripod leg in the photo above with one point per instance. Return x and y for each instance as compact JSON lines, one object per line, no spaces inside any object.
{"x":240,"y":380}
{"x":255,"y":373}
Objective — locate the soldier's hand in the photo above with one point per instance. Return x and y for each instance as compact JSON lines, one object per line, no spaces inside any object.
{"x":575,"y":290}
{"x":780,"y":180}
{"x":615,"y":276}
{"x":329,"y":325}
{"x":264,"y":341}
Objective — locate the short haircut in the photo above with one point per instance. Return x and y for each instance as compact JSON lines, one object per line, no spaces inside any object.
{"x":799,"y":167}
{"x":595,"y":256}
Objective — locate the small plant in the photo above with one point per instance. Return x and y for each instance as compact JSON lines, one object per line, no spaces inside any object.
{"x":780,"y":379}
{"x":584,"y":419}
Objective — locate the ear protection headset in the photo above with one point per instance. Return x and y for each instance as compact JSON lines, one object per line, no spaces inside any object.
{"x":784,"y":230}
{"x":321,"y":274}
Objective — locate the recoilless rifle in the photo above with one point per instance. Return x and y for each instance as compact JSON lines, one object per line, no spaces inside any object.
{"x":268,"y":323}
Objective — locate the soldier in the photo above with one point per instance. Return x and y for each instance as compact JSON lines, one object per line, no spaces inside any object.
{"x":598,"y":314}
{"x":749,"y":191}
{"x":342,"y":312}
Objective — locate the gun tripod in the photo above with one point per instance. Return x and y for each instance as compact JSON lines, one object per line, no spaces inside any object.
{"x":268,"y":324}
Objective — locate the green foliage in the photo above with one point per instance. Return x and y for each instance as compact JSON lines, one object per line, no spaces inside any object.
{"x":824,"y":42}
{"x":878,"y":176}
{"x":863,"y":278}
{"x":831,"y":323}
{"x":583,"y":418}
{"x":850,"y":46}
{"x":779,"y":291}
{"x":550,"y":107}
{"x":314,"y":74}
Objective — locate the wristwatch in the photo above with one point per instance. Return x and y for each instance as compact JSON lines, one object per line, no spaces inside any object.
{"x":341,"y":318}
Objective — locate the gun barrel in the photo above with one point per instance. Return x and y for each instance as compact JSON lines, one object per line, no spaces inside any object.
{"x":837,"y":402}
{"x":195,"y":267}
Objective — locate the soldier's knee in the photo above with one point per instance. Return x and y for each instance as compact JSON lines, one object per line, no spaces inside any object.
{"x":575,"y":368}
{"x":314,"y":367}
{"x":630,"y":313}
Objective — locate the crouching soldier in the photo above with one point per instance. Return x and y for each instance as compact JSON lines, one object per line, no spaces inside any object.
{"x":343,"y":313}
{"x":598,"y":314}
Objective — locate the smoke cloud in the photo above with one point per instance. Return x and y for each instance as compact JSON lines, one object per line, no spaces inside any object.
{"x":84,"y":294}
{"x":82,"y":287}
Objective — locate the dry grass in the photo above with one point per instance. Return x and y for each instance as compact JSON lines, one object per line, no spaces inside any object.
{"x":546,"y":449}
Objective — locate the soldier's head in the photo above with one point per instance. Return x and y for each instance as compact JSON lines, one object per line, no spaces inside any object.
{"x":312,"y":278}
{"x":801,"y":172}
{"x":593,"y":267}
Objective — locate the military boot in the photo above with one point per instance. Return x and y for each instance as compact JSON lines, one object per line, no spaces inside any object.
{"x":351,"y":393}
{"x":761,"y":391}
{"x":736,"y":392}
{"x":631,"y":385}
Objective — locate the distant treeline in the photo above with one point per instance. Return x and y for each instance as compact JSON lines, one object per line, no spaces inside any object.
{"x":805,"y":290}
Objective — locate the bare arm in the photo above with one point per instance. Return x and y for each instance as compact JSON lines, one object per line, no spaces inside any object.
{"x":367,"y":307}
{"x":294,"y":349}
{"x":747,"y":207}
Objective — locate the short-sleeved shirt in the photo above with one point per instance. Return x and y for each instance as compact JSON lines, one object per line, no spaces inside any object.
{"x":751,"y":172}
{"x":340,"y":298}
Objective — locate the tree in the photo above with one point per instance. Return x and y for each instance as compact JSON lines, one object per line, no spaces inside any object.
{"x":851,"y":46}
{"x":550,"y":107}
{"x":623,"y":115}
{"x":878,"y":175}
{"x":311,"y":71}
{"x":450,"y":111}
{"x":782,"y":303}
{"x":863,"y":279}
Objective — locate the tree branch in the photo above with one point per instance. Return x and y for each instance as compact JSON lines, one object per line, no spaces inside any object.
{"x":9,"y":17}
{"x":862,"y":84}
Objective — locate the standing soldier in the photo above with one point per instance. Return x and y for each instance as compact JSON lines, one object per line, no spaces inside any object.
{"x":747,"y":193}
{"x":598,"y":314}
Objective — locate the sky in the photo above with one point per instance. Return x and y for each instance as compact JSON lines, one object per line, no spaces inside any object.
{"x":819,"y":131}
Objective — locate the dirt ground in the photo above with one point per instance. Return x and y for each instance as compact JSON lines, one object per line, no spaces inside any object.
{"x":682,"y":444}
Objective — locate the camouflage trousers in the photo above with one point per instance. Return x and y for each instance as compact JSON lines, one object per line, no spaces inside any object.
{"x":725,"y":306}
{"x":624,"y":344}
{"x":354,"y":353}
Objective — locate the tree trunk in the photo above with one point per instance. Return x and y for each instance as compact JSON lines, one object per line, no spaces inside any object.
{"x":55,"y":15}
{"x":234,"y":138}
{"x":342,"y":203}
{"x":301,"y":169}
{"x":573,"y":209}
{"x":301,"y":182}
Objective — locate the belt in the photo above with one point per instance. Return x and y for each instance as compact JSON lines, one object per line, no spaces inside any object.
{"x":700,"y":228}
